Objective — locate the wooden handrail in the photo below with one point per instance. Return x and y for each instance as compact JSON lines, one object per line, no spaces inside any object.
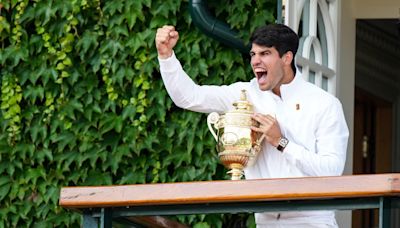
{"x":351,"y":186}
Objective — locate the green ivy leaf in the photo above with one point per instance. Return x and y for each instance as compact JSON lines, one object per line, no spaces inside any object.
{"x":63,"y":139}
{"x":33,"y":174}
{"x":112,"y":7}
{"x":4,"y":190}
{"x":201,"y":225}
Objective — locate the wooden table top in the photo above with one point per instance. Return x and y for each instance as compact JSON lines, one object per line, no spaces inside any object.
{"x":351,"y":186}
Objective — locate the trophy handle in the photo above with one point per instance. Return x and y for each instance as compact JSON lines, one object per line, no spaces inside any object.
{"x":212,"y":118}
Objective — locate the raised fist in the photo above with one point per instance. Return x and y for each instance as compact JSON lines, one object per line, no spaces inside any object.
{"x":166,"y":39}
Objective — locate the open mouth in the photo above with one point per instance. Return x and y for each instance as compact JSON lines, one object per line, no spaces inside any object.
{"x":261,"y":75}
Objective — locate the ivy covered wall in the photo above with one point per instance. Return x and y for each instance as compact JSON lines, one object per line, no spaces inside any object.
{"x":82,"y":101}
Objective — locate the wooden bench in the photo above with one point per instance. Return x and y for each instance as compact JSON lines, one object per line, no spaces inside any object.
{"x":100,"y":205}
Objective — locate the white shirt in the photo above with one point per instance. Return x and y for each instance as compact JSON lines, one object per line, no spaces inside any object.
{"x":309,"y":117}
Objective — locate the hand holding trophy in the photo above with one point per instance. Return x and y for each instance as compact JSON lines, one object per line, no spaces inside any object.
{"x":237,"y":145}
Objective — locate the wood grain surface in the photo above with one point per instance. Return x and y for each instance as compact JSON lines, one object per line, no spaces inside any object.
{"x":232,"y":191}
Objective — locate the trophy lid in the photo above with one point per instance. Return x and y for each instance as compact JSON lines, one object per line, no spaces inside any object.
{"x":243,"y":105}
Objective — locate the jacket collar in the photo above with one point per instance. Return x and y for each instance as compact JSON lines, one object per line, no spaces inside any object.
{"x":293,"y":88}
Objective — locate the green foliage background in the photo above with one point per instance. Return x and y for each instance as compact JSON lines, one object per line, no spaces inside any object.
{"x":82,"y":101}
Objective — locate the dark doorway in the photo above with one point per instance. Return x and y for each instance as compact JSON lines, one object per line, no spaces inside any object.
{"x":373,"y":121}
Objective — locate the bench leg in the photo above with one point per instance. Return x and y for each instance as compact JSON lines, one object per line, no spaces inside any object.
{"x":89,"y":221}
{"x":384,"y":212}
{"x":106,"y":218}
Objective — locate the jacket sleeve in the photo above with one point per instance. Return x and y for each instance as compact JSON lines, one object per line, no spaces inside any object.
{"x":188,"y":95}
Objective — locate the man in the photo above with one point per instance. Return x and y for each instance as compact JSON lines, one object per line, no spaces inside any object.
{"x":304,"y":126}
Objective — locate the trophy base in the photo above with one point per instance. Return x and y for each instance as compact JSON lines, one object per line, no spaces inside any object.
{"x":236,"y":171}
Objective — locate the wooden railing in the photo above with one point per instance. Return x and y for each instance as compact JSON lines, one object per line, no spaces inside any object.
{"x":101,"y":205}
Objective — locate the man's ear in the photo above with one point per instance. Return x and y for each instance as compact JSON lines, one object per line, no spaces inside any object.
{"x":288,"y":58}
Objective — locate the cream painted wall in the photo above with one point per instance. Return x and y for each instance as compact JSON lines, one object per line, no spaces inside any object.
{"x":346,"y":84}
{"x":346,"y":70}
{"x":376,"y":9}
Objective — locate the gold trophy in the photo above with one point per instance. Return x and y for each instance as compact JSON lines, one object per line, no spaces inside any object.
{"x":237,"y":145}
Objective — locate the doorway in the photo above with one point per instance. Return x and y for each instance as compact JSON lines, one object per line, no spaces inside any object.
{"x":373,"y":129}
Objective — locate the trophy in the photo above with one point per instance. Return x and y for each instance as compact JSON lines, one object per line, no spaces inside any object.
{"x":237,"y":145}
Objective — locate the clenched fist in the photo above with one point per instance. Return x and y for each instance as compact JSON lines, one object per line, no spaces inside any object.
{"x":166,"y":39}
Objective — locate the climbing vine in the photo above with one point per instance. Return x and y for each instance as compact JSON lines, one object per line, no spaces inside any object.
{"x":10,"y":98}
{"x":83,"y":103}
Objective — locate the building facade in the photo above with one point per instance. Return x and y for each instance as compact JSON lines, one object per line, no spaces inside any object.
{"x":352,"y":49}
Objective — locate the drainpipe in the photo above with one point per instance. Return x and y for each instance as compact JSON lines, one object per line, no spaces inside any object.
{"x":279,"y":17}
{"x":220,"y":30}
{"x":215,"y":28}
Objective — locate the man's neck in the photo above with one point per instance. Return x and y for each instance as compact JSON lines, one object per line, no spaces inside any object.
{"x":287,"y":78}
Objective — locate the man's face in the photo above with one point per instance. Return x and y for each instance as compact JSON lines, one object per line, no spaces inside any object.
{"x":267,"y":66}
